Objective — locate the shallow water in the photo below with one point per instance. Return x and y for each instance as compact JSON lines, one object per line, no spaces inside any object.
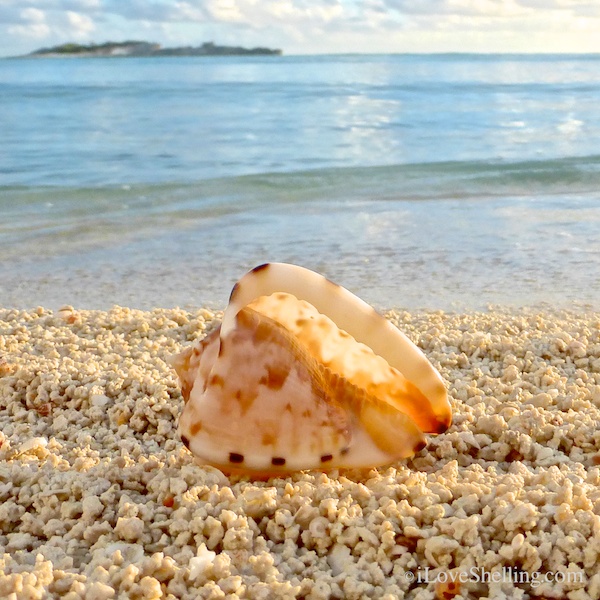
{"x":416,"y":181}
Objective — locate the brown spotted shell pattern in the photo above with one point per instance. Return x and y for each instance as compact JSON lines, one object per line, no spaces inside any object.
{"x":302,"y":374}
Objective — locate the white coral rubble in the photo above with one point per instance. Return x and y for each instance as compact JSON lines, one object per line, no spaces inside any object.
{"x":99,"y":499}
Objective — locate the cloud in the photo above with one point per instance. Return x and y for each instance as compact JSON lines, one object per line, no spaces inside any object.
{"x":341,"y":25}
{"x":28,"y":23}
{"x":31,"y":22}
{"x":159,"y":11}
{"x":33,"y":15}
{"x":267,"y":13}
{"x":80,"y":25}
{"x":490,"y":8}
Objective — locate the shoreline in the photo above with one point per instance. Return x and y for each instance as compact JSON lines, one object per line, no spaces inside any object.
{"x":95,"y":250}
{"x":99,"y":497}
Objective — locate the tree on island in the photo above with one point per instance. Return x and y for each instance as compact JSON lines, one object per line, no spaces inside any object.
{"x":139,"y":48}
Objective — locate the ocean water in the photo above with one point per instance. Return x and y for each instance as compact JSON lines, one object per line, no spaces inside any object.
{"x":419,"y":181}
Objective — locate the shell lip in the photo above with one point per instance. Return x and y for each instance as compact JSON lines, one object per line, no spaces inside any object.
{"x":443,"y":424}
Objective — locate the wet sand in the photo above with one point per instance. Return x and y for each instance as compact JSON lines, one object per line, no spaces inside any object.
{"x":99,"y":499}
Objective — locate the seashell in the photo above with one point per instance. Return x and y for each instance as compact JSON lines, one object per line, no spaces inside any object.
{"x":302,"y":374}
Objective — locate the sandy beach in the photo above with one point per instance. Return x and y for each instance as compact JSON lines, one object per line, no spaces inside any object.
{"x":99,"y":499}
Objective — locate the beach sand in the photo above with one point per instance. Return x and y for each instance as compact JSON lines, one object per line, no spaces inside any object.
{"x":99,"y":499}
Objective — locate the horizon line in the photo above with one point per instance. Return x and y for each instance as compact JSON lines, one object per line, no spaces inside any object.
{"x":342,"y":53}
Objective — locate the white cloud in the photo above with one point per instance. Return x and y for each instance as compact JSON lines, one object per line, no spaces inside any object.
{"x":312,"y":25}
{"x":188,"y":11}
{"x":35,"y":31}
{"x":81,"y":25}
{"x":224,"y":10}
{"x":33,"y":15}
{"x":29,"y":23}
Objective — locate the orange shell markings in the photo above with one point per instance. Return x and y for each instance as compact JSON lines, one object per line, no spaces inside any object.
{"x":302,"y":374}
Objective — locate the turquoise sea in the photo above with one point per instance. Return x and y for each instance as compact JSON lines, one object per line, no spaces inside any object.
{"x":436,"y":181}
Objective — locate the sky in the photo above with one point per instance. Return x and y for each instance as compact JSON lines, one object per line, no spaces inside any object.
{"x":309,"y":26}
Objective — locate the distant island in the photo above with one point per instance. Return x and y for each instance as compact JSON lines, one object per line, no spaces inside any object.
{"x":136,"y":48}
